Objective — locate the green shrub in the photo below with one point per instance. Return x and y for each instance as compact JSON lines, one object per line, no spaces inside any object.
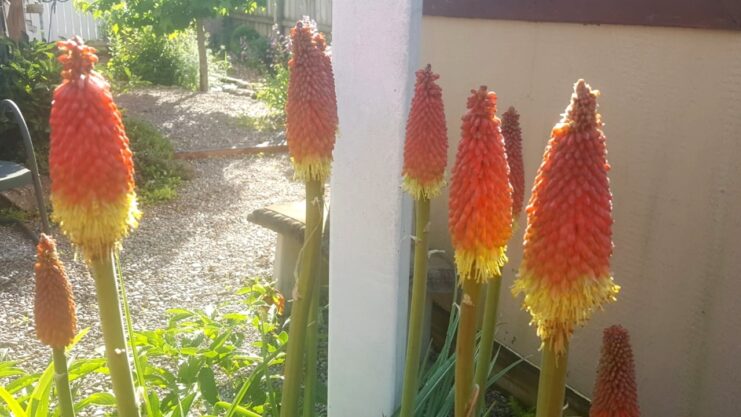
{"x":158,"y":173}
{"x":519,"y":410}
{"x":274,"y":92}
{"x":143,"y":55}
{"x":249,"y":47}
{"x":194,"y":366}
{"x":13,"y":215}
{"x":29,"y":77}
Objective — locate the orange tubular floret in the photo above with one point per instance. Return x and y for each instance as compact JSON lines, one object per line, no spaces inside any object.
{"x":54,"y":308}
{"x":615,"y":392}
{"x":90,"y":162}
{"x":480,"y":212}
{"x":426,"y":146}
{"x":513,"y":144}
{"x":565,"y":271}
{"x":311,"y":107}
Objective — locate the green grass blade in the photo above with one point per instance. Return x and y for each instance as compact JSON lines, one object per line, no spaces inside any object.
{"x":255,"y":376}
{"x":104,"y":399}
{"x":38,"y":403}
{"x":239,"y":409}
{"x":13,"y":405}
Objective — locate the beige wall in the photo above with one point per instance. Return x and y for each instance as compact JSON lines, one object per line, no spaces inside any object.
{"x":671,"y":103}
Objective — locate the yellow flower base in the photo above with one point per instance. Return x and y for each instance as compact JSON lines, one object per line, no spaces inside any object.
{"x":312,"y":169}
{"x":557,"y":309}
{"x":419,"y":190}
{"x":480,"y":265}
{"x":97,"y":227}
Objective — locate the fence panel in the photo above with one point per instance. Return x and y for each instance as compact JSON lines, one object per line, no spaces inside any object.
{"x":262,"y":20}
{"x":65,"y":21}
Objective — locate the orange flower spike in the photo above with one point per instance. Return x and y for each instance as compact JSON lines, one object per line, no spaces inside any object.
{"x":565,"y":271}
{"x":311,"y":107}
{"x":54,"y":309}
{"x":426,"y":146}
{"x":90,"y":162}
{"x":513,"y":144}
{"x":615,"y":392}
{"x":480,"y":212}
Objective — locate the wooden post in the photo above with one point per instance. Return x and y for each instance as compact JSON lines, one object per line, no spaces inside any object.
{"x":16,"y":20}
{"x":202,"y":56}
{"x":278,"y":15}
{"x":375,"y":53}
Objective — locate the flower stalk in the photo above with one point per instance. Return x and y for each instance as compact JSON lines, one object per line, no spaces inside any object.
{"x":312,"y":352}
{"x":55,"y":315}
{"x":302,"y":299}
{"x":92,"y":175}
{"x":311,"y":124}
{"x":552,"y":382}
{"x":486,"y":344}
{"x":111,"y":322}
{"x":512,"y":134}
{"x":61,"y":382}
{"x":425,"y":157}
{"x":464,"y":349}
{"x":480,"y":223}
{"x":565,"y":271}
{"x":416,"y":312}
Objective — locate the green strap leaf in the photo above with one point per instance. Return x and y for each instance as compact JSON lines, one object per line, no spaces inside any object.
{"x":14,"y":406}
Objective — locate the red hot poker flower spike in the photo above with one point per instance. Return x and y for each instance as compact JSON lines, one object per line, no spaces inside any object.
{"x":615,"y":392}
{"x":90,"y":162}
{"x":565,"y":271}
{"x":513,"y":144}
{"x":480,"y":212}
{"x":311,"y":107}
{"x":54,"y":308}
{"x":426,"y":146}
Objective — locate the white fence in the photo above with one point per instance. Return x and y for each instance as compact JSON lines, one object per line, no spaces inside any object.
{"x":62,"y":20}
{"x":287,"y":12}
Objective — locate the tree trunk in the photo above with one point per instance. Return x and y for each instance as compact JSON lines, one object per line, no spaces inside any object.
{"x":202,"y":57}
{"x":16,"y":20}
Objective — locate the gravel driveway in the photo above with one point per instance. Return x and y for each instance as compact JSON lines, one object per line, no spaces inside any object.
{"x":192,"y":251}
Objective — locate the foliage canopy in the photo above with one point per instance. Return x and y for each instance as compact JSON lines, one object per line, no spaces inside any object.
{"x":164,"y":16}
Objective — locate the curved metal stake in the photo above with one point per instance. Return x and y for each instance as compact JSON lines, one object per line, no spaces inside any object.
{"x":9,"y":104}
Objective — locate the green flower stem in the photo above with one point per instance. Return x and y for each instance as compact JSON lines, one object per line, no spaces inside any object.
{"x":113,"y":335}
{"x":417,"y":311}
{"x":302,"y":298}
{"x":464,"y":347}
{"x":61,"y":379}
{"x":552,"y":383}
{"x":312,"y":339}
{"x":491,"y":305}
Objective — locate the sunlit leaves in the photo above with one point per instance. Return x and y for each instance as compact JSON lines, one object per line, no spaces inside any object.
{"x":164,"y":16}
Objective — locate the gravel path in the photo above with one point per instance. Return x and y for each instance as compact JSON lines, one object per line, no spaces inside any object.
{"x":193,"y":251}
{"x":199,"y":121}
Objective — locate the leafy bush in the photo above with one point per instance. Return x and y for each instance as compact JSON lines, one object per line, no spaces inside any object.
{"x":158,"y":173}
{"x":518,"y":410}
{"x":143,"y":55}
{"x":249,"y":47}
{"x":274,"y":92}
{"x":194,"y":366}
{"x":29,"y":77}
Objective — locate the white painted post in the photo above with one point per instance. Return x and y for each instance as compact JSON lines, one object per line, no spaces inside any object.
{"x":375,"y":53}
